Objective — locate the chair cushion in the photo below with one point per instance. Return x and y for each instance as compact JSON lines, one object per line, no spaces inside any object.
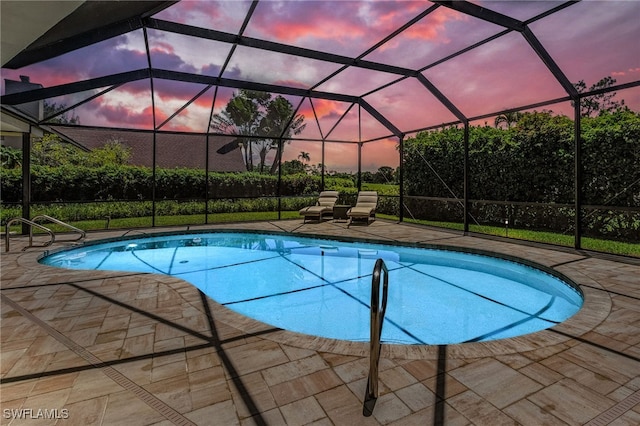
{"x":359,"y":211}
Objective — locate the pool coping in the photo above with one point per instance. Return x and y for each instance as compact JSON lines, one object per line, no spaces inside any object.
{"x":595,"y":309}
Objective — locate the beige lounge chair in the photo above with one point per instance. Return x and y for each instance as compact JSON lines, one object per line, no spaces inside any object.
{"x":365,"y":208}
{"x":324,"y":206}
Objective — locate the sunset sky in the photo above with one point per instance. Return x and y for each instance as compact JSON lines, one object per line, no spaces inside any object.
{"x":589,"y":40}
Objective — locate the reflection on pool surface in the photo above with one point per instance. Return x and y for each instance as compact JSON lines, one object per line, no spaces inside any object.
{"x":322,"y":287}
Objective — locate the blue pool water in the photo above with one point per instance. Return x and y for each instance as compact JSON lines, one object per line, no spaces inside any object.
{"x":322,"y":287}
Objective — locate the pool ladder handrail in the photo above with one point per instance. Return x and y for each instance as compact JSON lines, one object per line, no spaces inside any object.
{"x":377,"y":319}
{"x":33,"y":224}
{"x":61,"y":223}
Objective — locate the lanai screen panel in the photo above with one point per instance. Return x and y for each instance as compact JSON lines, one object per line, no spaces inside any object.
{"x":311,"y":128}
{"x":181,"y":106}
{"x":433,"y":176}
{"x":345,"y":28}
{"x":180,"y":179}
{"x":598,"y":43}
{"x":409,"y":105}
{"x":522,"y":173}
{"x":97,"y":192}
{"x":439,"y":34}
{"x":330,"y":114}
{"x":119,"y":54}
{"x":302,"y":157}
{"x":223,"y":15}
{"x":611,"y":195}
{"x":178,"y":52}
{"x":505,"y":73}
{"x":521,"y":10}
{"x":381,"y":153}
{"x":356,"y":81}
{"x":267,"y":67}
{"x":348,"y":126}
{"x":125,"y":106}
{"x":370,"y":128}
{"x":341,"y":158}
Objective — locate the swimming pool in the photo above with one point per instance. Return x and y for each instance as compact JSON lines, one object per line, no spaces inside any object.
{"x":322,"y":287}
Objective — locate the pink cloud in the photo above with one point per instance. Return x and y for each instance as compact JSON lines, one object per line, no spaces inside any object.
{"x":329,"y":109}
{"x":221,"y":15}
{"x":351,"y":27}
{"x":162,"y":47}
{"x":122,"y":116}
{"x":434,"y":26}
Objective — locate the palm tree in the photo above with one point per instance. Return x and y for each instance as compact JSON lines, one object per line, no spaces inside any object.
{"x":304,"y":156}
{"x":260,"y":122}
{"x":280,"y":122}
{"x":241,"y":116}
{"x":508,"y":118}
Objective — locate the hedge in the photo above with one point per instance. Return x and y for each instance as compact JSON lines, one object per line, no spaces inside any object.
{"x":74,"y":183}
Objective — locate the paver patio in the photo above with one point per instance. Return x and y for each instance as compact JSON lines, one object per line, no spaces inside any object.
{"x":110,"y":348}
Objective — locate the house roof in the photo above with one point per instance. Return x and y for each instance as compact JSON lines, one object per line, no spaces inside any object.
{"x":174,"y":150}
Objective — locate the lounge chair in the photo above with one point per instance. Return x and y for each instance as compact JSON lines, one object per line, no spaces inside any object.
{"x":365,"y":208}
{"x":324,"y":206}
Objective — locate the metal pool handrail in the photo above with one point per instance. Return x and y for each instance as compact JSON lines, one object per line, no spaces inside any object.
{"x":61,"y":223}
{"x":377,"y":319}
{"x":31,"y":225}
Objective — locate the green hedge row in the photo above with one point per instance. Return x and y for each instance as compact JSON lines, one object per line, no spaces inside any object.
{"x":74,"y":183}
{"x":533,"y":161}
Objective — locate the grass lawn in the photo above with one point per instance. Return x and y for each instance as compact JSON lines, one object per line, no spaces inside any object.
{"x":566,"y":240}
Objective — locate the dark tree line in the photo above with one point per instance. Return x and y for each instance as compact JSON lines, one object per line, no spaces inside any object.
{"x":532,"y":161}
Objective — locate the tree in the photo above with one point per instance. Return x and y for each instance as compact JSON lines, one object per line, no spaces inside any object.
{"x":384,"y":175}
{"x":280,"y":122}
{"x":508,"y":119}
{"x":318,"y":169}
{"x":240,"y":117}
{"x":113,"y":152}
{"x":52,"y":151}
{"x":260,"y":122}
{"x":304,"y":156}
{"x":293,"y":167}
{"x":51,"y":109}
{"x":367,"y":176}
{"x":10,"y":158}
{"x":600,"y":103}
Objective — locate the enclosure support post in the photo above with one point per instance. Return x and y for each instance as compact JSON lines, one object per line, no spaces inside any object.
{"x":155,"y":130}
{"x":153,"y":183}
{"x":279,"y":159}
{"x":322,"y":168}
{"x":359,"y":166}
{"x":577,"y":175}
{"x":466,"y":177}
{"x":401,"y":178}
{"x":359,"y":185}
{"x":206,"y":177}
{"x":26,"y":182}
